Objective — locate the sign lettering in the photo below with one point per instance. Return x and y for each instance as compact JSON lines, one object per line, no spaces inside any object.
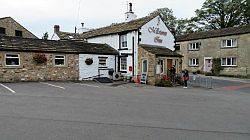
{"x":157,"y":31}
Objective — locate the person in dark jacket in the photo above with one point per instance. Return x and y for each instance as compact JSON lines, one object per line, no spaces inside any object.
{"x":173,"y":73}
{"x":185,"y":77}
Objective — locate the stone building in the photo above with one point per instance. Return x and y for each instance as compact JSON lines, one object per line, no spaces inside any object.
{"x":231,"y":45}
{"x":20,"y":57}
{"x":126,"y":38}
{"x":9,"y":27}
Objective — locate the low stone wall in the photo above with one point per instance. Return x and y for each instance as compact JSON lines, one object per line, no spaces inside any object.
{"x":30,"y":71}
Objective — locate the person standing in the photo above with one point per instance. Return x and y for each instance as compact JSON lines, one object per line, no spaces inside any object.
{"x":185,"y":77}
{"x":173,"y":73}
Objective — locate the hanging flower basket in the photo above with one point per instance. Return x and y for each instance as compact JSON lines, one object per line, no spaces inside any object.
{"x":89,"y":61}
{"x":39,"y":58}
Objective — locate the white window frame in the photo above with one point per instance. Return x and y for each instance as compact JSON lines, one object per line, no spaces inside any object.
{"x":194,"y":46}
{"x":102,"y":62}
{"x":228,"y":61}
{"x":123,"y":63}
{"x":142,"y":66}
{"x":225,"y":44}
{"x":162,"y":65}
{"x":7,"y":57}
{"x":123,"y":41}
{"x":193,"y":62}
{"x":64,"y":58}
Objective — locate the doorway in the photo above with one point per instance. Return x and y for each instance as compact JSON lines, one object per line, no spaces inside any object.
{"x":208,"y":64}
{"x":169,"y":63}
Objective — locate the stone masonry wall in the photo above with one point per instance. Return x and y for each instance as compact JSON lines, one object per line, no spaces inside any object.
{"x":30,"y":71}
{"x":211,"y":47}
{"x":153,"y":78}
{"x":143,"y":54}
{"x":10,"y":26}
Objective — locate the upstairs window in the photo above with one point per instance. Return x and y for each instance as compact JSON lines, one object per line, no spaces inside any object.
{"x":102,"y":62}
{"x":193,"y":62}
{"x":177,"y":47}
{"x":229,"y":43}
{"x":194,"y":46}
{"x":229,"y":61}
{"x":12,"y":59}
{"x":18,"y":33}
{"x":2,"y":30}
{"x":123,"y":41}
{"x":59,"y":60}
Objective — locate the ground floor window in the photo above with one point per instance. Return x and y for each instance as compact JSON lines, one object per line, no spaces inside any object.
{"x":59,"y":60}
{"x":145,"y":66}
{"x":102,"y":62}
{"x":123,"y":62}
{"x":161,"y":64}
{"x":229,"y":61}
{"x":193,"y":62}
{"x":12,"y":59}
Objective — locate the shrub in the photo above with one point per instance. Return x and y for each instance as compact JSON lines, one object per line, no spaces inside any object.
{"x":164,"y":83}
{"x":89,"y":61}
{"x":39,"y":58}
{"x":209,"y":74}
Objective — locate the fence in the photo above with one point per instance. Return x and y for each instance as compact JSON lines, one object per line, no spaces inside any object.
{"x":201,"y":81}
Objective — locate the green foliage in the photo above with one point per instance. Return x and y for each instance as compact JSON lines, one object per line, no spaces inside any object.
{"x":167,"y":16}
{"x":216,"y":67}
{"x":89,"y":61}
{"x":45,"y":36}
{"x":164,"y":83}
{"x":216,"y":14}
{"x":39,"y":58}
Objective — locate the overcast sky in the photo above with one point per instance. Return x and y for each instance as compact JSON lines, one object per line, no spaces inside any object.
{"x":39,"y":16}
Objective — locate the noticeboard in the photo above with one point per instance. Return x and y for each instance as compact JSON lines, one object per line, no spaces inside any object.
{"x":144,"y":78}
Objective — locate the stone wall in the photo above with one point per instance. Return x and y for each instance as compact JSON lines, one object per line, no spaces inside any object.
{"x":30,"y":71}
{"x":11,"y":25}
{"x":143,"y":54}
{"x":211,"y":47}
{"x":153,"y":78}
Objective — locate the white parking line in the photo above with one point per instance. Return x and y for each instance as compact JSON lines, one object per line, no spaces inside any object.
{"x":8,"y":88}
{"x":52,"y":85}
{"x":88,"y":85}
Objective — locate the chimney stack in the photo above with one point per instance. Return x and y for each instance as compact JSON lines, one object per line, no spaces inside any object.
{"x":56,"y":28}
{"x":129,"y":16}
{"x":130,"y":8}
{"x":82,"y":24}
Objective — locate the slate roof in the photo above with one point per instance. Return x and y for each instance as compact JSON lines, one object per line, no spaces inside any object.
{"x":69,"y":36}
{"x":159,"y":51}
{"x":3,"y":18}
{"x":51,"y":46}
{"x":215,"y":33}
{"x":119,"y":27}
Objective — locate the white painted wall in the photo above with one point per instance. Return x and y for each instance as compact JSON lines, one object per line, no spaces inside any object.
{"x":92,"y":70}
{"x":113,"y":41}
{"x":148,"y":36}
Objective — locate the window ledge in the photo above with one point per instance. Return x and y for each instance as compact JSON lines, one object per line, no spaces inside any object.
{"x":229,"y":47}
{"x":122,"y":49}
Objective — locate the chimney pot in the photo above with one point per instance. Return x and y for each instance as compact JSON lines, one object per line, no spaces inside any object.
{"x":56,"y":28}
{"x":82,"y":24}
{"x":130,"y":7}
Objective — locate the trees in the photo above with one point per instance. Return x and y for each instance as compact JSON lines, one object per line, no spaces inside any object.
{"x":178,"y":26}
{"x":216,"y":14}
{"x":167,"y":16}
{"x":45,"y":36}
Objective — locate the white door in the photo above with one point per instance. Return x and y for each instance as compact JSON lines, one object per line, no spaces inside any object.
{"x":207,"y":64}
